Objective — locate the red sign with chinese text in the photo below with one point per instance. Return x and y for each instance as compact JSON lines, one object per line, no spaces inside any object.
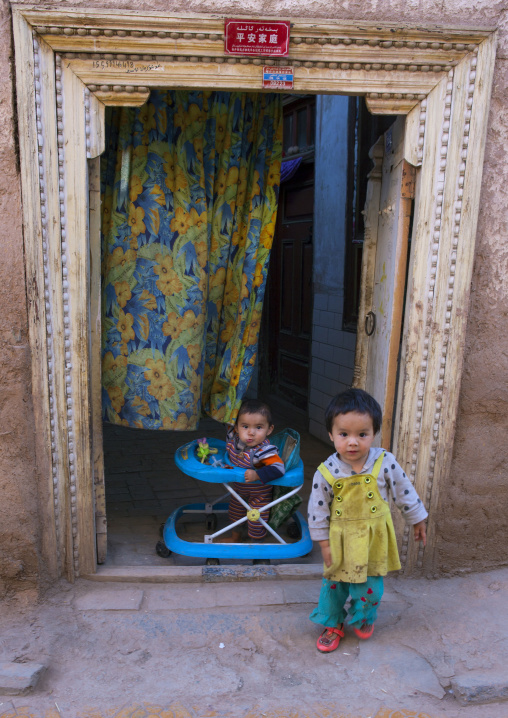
{"x":255,"y":37}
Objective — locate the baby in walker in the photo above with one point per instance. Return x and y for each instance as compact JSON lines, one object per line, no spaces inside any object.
{"x":247,"y":446}
{"x":349,"y":516}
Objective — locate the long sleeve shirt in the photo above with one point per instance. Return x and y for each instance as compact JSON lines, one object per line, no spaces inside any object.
{"x":391,"y":481}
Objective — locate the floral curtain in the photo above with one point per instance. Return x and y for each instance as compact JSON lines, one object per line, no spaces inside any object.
{"x":190,"y":187}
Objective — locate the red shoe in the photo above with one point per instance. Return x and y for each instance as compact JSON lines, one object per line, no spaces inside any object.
{"x":365,"y":631}
{"x":329,"y":640}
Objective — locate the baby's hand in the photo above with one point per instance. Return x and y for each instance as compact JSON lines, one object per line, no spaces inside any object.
{"x":250,"y":476}
{"x":420,"y":532}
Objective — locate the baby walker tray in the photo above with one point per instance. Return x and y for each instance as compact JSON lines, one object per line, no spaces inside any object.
{"x":211,"y":547}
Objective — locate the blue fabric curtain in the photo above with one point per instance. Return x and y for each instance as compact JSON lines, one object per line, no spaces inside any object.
{"x":190,"y":187}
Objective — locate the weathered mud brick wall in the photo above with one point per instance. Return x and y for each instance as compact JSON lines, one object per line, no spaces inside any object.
{"x":19,"y":528}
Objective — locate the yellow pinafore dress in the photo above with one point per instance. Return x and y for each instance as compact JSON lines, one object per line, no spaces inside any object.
{"x":362,"y":537}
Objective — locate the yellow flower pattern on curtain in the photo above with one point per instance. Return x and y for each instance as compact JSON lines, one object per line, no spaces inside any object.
{"x":189,"y":199}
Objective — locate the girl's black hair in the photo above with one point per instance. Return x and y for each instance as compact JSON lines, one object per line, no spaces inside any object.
{"x":354,"y":400}
{"x":253,"y":406}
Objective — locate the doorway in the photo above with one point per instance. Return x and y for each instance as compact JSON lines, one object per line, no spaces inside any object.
{"x":143,"y":486}
{"x":428,"y":74}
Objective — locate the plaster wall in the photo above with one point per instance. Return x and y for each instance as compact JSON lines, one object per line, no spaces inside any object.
{"x":19,"y":529}
{"x":472,"y":520}
{"x":333,"y":350}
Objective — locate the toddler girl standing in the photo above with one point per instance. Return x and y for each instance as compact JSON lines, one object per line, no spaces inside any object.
{"x":349,"y":516}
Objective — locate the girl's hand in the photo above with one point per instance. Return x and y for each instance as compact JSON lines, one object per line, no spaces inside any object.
{"x":326,"y":552}
{"x":420,"y":532}
{"x":250,"y":476}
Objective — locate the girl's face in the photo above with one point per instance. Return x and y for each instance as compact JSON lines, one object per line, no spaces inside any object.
{"x":352,"y":435}
{"x":253,"y":428}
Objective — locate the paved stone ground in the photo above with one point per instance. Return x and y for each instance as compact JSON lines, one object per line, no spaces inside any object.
{"x":143,"y":486}
{"x":177,"y":710}
{"x":247,"y":649}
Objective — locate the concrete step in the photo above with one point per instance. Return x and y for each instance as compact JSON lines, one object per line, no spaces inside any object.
{"x":205,"y":574}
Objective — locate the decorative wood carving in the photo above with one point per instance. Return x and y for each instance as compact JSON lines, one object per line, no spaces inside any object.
{"x":47,"y":274}
{"x":388,"y":103}
{"x":71,"y":63}
{"x":394,"y":67}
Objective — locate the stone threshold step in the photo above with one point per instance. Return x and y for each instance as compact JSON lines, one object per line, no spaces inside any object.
{"x":204,"y":574}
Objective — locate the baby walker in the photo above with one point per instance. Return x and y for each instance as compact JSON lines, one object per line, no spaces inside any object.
{"x":191,"y":459}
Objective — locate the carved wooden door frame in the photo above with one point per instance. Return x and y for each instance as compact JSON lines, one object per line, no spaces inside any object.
{"x":71,"y":63}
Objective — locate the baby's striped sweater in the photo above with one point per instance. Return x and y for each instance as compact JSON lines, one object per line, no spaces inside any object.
{"x":263,"y":458}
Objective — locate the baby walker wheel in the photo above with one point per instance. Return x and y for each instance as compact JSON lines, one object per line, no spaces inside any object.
{"x":293,"y":530}
{"x":211,"y":522}
{"x":212,"y":562}
{"x":162,"y":550}
{"x":261,"y":561}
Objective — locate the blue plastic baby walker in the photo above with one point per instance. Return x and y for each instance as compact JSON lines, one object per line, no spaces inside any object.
{"x":187,"y":459}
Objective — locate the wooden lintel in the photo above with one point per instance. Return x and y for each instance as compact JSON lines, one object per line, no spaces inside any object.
{"x":405,"y":88}
{"x":205,"y":47}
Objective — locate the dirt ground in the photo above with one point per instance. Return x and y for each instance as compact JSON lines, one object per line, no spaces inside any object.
{"x":248,"y":649}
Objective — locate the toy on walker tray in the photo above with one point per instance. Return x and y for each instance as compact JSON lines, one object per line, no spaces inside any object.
{"x":206,"y":460}
{"x":203,"y":450}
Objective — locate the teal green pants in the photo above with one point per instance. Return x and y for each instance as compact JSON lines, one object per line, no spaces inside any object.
{"x":365,"y":598}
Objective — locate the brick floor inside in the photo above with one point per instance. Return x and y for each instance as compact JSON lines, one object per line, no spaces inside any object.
{"x":144,"y":486}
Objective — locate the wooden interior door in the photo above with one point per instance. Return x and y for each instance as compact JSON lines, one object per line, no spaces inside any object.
{"x":290,"y":290}
{"x":384,"y":267}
